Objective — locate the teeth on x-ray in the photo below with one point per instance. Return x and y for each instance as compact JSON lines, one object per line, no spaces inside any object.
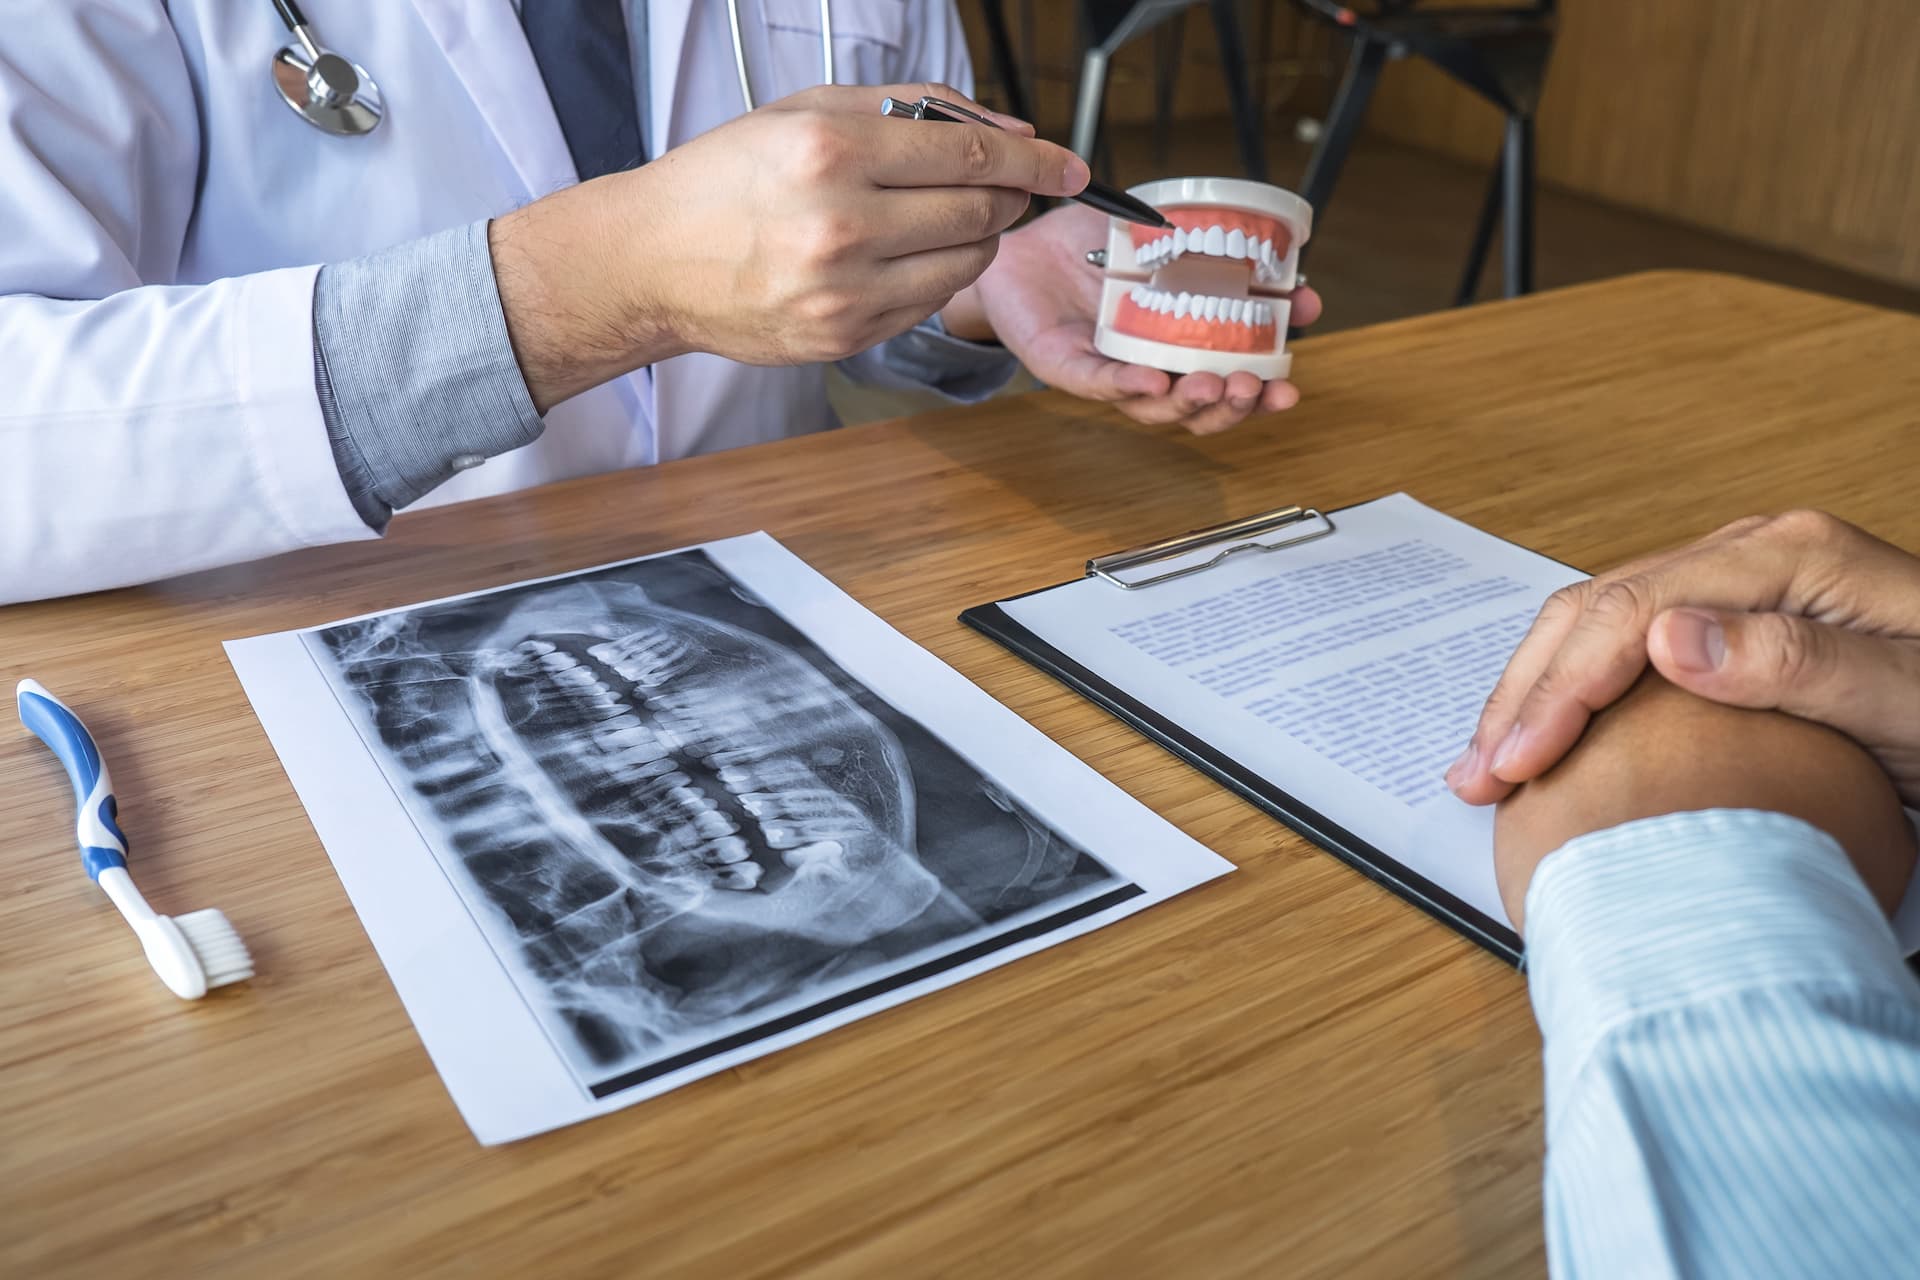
{"x":667,"y":818}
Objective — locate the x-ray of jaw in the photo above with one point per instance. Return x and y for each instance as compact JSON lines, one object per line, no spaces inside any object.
{"x":672,"y":814}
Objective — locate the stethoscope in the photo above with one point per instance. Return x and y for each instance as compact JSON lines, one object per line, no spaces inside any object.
{"x":324,"y":89}
{"x":339,"y":97}
{"x":740,"y":48}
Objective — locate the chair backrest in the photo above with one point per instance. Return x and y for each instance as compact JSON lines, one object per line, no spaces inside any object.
{"x":1099,"y":19}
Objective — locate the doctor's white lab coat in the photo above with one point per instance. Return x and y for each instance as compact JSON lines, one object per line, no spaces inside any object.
{"x":163,"y":216}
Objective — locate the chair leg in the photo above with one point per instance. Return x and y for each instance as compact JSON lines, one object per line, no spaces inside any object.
{"x":1343,"y":122}
{"x":1029,"y":54}
{"x":1168,"y":45}
{"x":1246,"y":116}
{"x":1483,"y":233}
{"x":1262,"y":57}
{"x":1086,"y":110}
{"x":1516,"y":163}
{"x":1005,"y":68}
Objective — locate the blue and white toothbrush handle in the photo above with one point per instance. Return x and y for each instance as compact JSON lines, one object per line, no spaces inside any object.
{"x":190,"y":953}
{"x":96,"y":822}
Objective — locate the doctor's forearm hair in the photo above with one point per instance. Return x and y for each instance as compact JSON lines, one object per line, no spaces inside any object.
{"x":574,"y":313}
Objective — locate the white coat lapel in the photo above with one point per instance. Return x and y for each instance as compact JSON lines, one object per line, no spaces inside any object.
{"x":488,"y":50}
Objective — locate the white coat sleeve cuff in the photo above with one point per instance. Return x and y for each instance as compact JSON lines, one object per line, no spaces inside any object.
{"x":1667,"y":913}
{"x":273,"y":338}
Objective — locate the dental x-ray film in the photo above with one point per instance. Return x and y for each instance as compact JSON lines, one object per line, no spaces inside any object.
{"x":620,"y":829}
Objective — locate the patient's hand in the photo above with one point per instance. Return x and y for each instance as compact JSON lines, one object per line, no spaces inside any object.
{"x":1663,"y":750}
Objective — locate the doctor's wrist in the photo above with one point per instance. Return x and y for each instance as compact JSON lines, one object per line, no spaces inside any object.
{"x":579,"y":307}
{"x":965,"y":316}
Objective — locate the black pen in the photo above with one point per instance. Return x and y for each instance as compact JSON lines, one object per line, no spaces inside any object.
{"x":1098,"y":195}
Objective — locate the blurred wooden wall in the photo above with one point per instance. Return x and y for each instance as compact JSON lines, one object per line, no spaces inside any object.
{"x":1795,"y":123}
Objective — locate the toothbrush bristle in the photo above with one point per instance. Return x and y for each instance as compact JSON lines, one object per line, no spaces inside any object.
{"x":222,"y":955}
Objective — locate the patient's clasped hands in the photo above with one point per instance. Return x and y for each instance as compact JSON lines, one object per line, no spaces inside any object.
{"x":1800,"y":614}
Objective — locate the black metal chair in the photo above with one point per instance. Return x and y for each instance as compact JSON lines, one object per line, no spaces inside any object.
{"x":1106,"y":25}
{"x":1499,"y":53}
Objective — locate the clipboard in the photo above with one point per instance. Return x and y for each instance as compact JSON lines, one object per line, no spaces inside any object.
{"x":1144,"y":567}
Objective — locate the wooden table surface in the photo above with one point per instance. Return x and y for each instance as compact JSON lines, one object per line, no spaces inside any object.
{"x":1285,"y":1072}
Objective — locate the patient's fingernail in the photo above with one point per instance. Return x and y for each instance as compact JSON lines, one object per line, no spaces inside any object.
{"x":1696,"y":640}
{"x":1465,"y":766}
{"x":1508,"y":751}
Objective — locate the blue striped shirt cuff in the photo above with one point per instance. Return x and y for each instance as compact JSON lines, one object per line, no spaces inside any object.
{"x":415,"y":372}
{"x":1671,"y":912}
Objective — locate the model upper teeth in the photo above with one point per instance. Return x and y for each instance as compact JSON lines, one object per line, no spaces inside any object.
{"x":1214,"y":242}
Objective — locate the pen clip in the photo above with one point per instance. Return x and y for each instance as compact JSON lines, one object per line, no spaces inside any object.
{"x":936,"y":108}
{"x":931,"y":103}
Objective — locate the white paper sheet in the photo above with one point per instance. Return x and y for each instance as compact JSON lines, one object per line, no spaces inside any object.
{"x":1349,"y":671}
{"x":845,"y":823}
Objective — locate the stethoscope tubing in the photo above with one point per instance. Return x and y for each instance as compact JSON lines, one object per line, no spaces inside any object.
{"x":740,"y":48}
{"x":296,"y":23}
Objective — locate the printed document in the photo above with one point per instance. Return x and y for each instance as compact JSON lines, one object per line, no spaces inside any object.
{"x":1348,"y":671}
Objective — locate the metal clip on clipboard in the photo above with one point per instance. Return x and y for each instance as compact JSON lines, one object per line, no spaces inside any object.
{"x":1248,"y":534}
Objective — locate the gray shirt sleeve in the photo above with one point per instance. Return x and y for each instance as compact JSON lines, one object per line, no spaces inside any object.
{"x":928,"y":357}
{"x":415,"y":372}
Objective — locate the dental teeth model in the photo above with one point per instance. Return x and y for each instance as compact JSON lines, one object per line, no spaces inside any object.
{"x":1213,"y":294}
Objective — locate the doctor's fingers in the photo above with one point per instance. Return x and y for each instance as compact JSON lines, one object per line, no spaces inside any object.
{"x":924,"y":218}
{"x":1306,"y":307}
{"x":1245,"y":395}
{"x":931,"y":277}
{"x":1191,"y":396}
{"x":967,"y":155}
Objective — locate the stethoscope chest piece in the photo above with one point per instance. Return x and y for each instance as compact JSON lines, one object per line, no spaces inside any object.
{"x":324,"y":89}
{"x":327,"y":91}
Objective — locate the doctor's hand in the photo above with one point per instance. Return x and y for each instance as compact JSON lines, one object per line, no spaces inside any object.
{"x":803,"y":232}
{"x":1802,"y":613}
{"x":1040,"y":298}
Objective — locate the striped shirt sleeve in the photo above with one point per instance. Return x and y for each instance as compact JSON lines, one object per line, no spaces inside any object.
{"x":414,"y":369}
{"x":1732,"y":1045}
{"x":928,"y":358}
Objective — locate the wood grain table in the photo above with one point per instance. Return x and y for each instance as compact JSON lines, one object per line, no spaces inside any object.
{"x":1287,"y":1072}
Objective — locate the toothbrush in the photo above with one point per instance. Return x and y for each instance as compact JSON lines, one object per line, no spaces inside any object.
{"x":192,"y":953}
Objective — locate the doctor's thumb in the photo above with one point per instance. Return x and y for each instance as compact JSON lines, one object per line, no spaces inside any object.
{"x":1865,"y":686}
